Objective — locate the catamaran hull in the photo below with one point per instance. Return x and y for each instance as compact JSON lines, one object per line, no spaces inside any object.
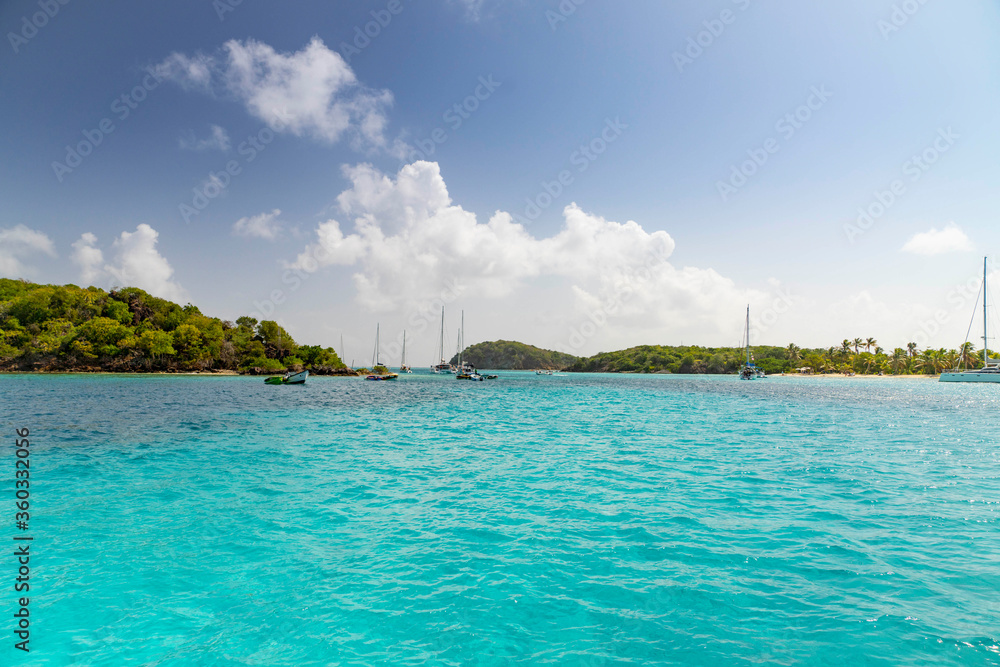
{"x":970,"y":377}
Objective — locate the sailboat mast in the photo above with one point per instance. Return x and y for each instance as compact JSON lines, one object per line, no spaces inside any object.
{"x":442,"y":334}
{"x":375,"y":351}
{"x":986,"y":340}
{"x":403,"y":360}
{"x":748,"y":335}
{"x":461,"y":341}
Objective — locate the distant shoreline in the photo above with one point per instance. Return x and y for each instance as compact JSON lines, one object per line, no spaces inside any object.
{"x":841,"y":376}
{"x":231,"y":373}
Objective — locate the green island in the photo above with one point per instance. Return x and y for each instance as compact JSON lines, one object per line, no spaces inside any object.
{"x":506,"y":355}
{"x":64,"y":328}
{"x":68,"y":328}
{"x":859,"y":356}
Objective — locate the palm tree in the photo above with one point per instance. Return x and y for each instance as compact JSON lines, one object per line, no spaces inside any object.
{"x":950,"y":359}
{"x":857,"y":343}
{"x":967,"y":356}
{"x":793,"y":352}
{"x":845,"y":347}
{"x":925,"y":362}
{"x":912,"y":349}
{"x":933,"y":362}
{"x":879,"y":351}
{"x":897,"y":362}
{"x":870,"y":343}
{"x":869,"y":361}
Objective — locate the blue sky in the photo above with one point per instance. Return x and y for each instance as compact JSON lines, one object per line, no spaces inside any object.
{"x":893,"y":77}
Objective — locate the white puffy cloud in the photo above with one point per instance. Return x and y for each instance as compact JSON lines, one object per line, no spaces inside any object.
{"x":263,"y":226}
{"x":937,"y":242}
{"x":15,"y":244}
{"x":312,"y":92}
{"x":408,"y":241}
{"x":219,"y":140}
{"x":137,"y":263}
{"x":89,"y":258}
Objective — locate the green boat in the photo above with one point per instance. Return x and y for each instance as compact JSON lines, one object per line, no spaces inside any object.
{"x":288,"y":378}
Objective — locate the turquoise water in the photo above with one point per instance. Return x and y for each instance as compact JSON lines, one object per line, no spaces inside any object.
{"x":580,"y":520}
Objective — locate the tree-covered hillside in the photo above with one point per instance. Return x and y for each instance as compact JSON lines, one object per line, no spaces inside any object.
{"x":689,"y":359}
{"x":858,"y":355}
{"x":511,"y":356}
{"x":51,"y":327}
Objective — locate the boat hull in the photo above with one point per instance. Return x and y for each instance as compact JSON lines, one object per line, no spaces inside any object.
{"x":971,"y":376}
{"x":294,"y":378}
{"x":297,"y":378}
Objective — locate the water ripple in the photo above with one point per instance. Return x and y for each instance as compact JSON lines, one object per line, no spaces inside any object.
{"x":591,"y":520}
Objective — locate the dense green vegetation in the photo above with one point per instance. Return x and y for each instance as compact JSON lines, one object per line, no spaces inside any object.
{"x":50,"y":327}
{"x":688,"y":359}
{"x":511,"y":356}
{"x":863,"y":356}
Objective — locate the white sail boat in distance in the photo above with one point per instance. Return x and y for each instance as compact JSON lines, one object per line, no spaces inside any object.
{"x":403,"y":368}
{"x":377,"y":363}
{"x":990,"y":372}
{"x":749,"y":370}
{"x":442,"y":366}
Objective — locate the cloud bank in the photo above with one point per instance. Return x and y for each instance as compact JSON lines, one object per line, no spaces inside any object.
{"x":937,"y":242}
{"x":136,"y":263}
{"x":18,"y":242}
{"x":407,"y":240}
{"x":312,"y":92}
{"x":264,"y":226}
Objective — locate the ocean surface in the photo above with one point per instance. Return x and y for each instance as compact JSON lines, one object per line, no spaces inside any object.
{"x":567,"y":520}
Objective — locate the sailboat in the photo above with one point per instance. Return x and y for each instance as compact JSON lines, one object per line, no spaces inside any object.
{"x":443,"y":366}
{"x":403,"y":368}
{"x":990,"y":372}
{"x":465,"y":371}
{"x":375,"y":363}
{"x":749,"y":370}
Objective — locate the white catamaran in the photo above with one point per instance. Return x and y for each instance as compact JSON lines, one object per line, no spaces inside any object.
{"x":749,"y":370}
{"x":990,"y":372}
{"x":443,"y":366}
{"x":403,"y":368}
